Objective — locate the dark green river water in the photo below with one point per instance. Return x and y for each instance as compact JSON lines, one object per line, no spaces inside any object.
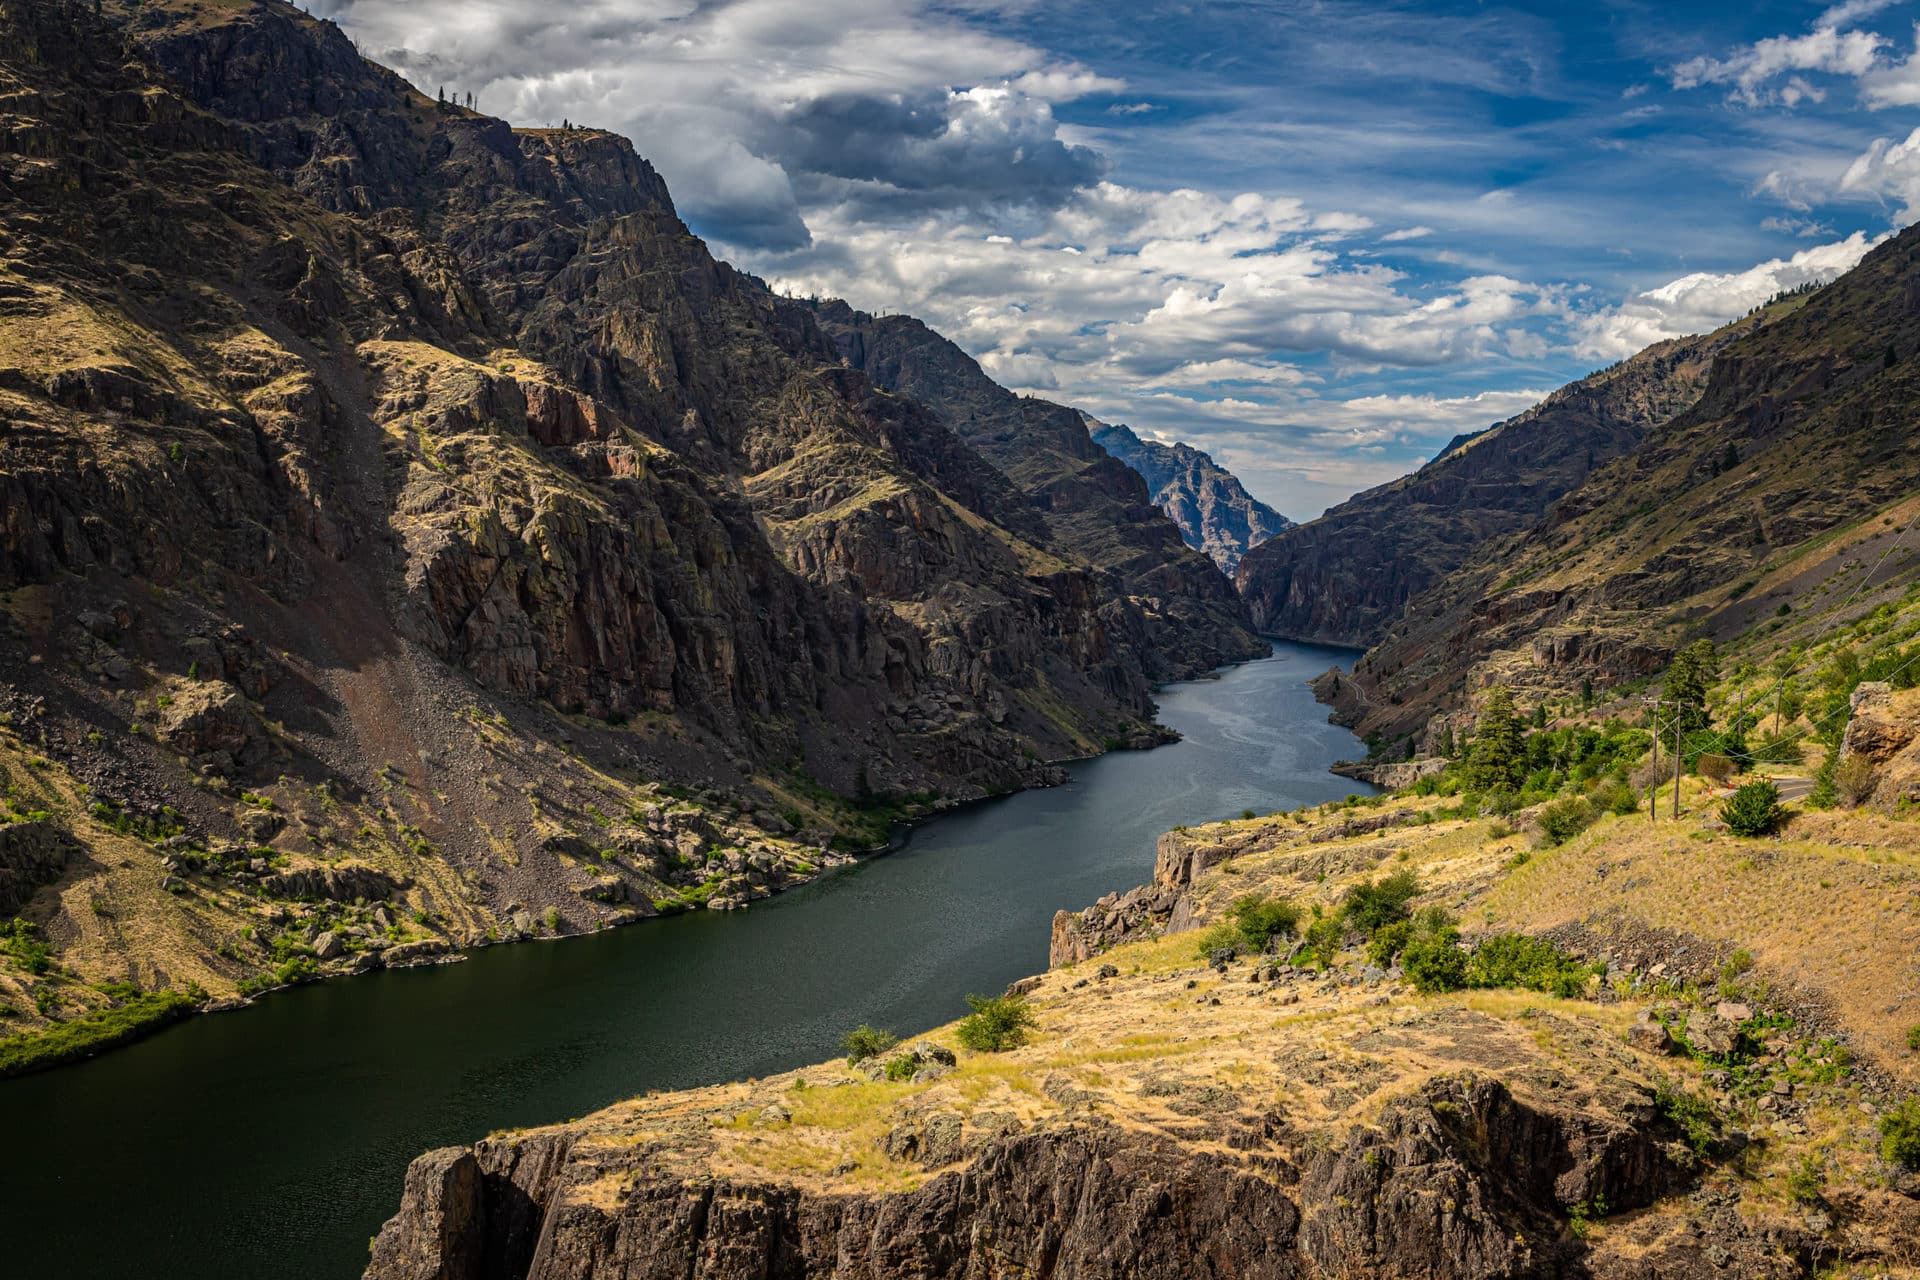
{"x":271,"y":1142}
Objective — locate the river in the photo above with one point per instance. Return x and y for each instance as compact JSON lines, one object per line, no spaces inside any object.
{"x":271,"y":1141}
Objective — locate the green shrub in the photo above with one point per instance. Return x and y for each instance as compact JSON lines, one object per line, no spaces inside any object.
{"x":1515,"y":960}
{"x":1688,"y":1113}
{"x":1324,"y":938}
{"x":1913,"y":1038}
{"x":1806,"y":1179}
{"x":865,"y":1042}
{"x":1373,"y":903}
{"x":1435,"y":961}
{"x":1900,"y":1134}
{"x":1223,"y":936}
{"x":1753,"y":810}
{"x":1825,"y":793}
{"x":996,"y":1023}
{"x":1615,"y":796}
{"x":1388,"y":941}
{"x":1562,"y":820}
{"x":22,"y":942}
{"x":1261,"y":920}
{"x":902,"y":1067}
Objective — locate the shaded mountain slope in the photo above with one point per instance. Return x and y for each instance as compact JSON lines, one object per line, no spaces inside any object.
{"x":1094,"y":505}
{"x":1214,"y":511}
{"x":1777,"y":493}
{"x":1346,"y":577}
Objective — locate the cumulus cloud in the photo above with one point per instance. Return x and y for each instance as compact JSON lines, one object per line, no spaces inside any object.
{"x":1703,"y":301}
{"x":1749,"y":72}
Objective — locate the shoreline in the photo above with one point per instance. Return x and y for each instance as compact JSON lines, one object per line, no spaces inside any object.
{"x":445,"y":953}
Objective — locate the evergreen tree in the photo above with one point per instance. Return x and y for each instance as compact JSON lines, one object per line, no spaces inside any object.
{"x":1497,"y":760}
{"x":1730,"y":459}
{"x":1694,"y":669}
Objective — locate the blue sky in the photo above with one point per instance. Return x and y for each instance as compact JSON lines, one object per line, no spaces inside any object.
{"x":1316,"y":239}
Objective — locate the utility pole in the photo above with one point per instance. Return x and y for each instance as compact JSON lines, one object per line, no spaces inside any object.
{"x":1653,"y":770}
{"x":1676,"y":763}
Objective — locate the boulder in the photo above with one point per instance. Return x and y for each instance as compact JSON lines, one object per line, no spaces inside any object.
{"x":1649,"y":1035}
{"x":328,"y":946}
{"x":1710,"y":1034}
{"x":212,"y":725}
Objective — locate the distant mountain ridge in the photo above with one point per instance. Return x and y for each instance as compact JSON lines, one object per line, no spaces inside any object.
{"x":1780,"y":491}
{"x":1216,"y":514}
{"x":1348,"y":576}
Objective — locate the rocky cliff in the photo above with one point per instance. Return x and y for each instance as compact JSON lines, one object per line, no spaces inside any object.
{"x":381,"y":483}
{"x":1347,"y":577}
{"x":1093,"y":505}
{"x":1777,"y":498}
{"x":1214,"y":511}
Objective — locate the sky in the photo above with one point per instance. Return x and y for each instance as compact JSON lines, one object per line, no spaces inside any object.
{"x":1314,"y":239}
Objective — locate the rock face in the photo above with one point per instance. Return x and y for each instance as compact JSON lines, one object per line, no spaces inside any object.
{"x":1215,"y":512}
{"x":1347,"y":576}
{"x":1710,"y":525}
{"x":1180,"y":611}
{"x":433,"y":455}
{"x":1883,"y":732}
{"x":1078,"y":1201}
{"x":32,"y":853}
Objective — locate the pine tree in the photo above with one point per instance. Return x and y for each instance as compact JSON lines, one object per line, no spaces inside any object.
{"x":1694,"y":669}
{"x":1497,"y":760}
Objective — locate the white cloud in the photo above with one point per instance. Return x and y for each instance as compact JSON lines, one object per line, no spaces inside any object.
{"x":1704,"y":301}
{"x":1889,"y":170}
{"x":1894,"y":84}
{"x":1749,"y":71}
{"x":1851,"y":11}
{"x":1407,"y":233}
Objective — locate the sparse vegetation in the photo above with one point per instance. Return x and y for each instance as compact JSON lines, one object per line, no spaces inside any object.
{"x":866,"y":1041}
{"x":1900,"y":1134}
{"x":997,"y":1023}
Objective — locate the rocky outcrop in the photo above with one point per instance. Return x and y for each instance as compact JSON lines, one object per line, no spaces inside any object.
{"x":343,"y":882}
{"x":1883,"y":739}
{"x":32,"y":853}
{"x":1390,"y":776}
{"x":1216,"y":514}
{"x":1459,"y":1181}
